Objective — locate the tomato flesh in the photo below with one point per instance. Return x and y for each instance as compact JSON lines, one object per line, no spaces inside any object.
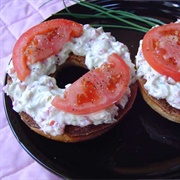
{"x":42,"y":41}
{"x":161,"y":49}
{"x":97,"y":89}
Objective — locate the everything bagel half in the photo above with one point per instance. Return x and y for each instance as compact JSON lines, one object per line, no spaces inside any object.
{"x":158,"y":69}
{"x":160,"y":106}
{"x":77,"y":133}
{"x":83,"y":109}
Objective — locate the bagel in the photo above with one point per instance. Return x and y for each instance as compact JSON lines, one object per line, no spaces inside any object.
{"x":160,"y":106}
{"x":74,"y":134}
{"x":32,"y":96}
{"x":160,"y":91}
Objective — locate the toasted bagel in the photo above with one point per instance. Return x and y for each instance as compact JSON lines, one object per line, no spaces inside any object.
{"x":159,"y":105}
{"x":43,"y":92}
{"x":76,"y":133}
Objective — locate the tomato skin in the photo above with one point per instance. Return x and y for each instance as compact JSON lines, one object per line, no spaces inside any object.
{"x":97,"y":89}
{"x":42,"y":41}
{"x":161,"y":49}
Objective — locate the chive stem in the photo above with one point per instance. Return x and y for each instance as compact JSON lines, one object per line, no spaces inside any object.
{"x":106,"y":12}
{"x":118,"y":26}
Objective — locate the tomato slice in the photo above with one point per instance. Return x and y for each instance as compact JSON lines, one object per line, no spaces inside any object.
{"x":42,"y":41}
{"x":161,"y":49}
{"x":97,"y":89}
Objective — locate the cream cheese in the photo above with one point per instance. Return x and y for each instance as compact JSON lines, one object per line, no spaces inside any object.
{"x":157,"y":85}
{"x":35,"y":94}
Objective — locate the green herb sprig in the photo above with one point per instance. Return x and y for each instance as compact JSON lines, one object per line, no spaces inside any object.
{"x":125,"y":19}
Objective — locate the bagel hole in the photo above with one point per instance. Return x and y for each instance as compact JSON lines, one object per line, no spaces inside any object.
{"x":69,"y":74}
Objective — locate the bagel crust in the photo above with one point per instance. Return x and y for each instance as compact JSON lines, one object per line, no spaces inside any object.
{"x":72,"y":133}
{"x":33,"y":97}
{"x":75,"y":133}
{"x":160,"y":106}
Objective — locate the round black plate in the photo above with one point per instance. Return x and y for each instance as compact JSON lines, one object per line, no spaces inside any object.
{"x":143,"y":145}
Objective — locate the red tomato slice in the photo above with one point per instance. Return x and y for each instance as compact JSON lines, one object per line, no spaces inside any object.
{"x":42,"y":41}
{"x":161,"y":49}
{"x":97,"y":89}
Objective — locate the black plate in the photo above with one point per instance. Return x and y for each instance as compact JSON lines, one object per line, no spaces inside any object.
{"x":143,"y":145}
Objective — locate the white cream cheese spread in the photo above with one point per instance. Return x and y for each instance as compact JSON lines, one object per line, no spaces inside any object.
{"x":35,"y":94}
{"x":157,"y":85}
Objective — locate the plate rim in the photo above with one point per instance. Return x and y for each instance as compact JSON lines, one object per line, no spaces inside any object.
{"x":16,"y":136}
